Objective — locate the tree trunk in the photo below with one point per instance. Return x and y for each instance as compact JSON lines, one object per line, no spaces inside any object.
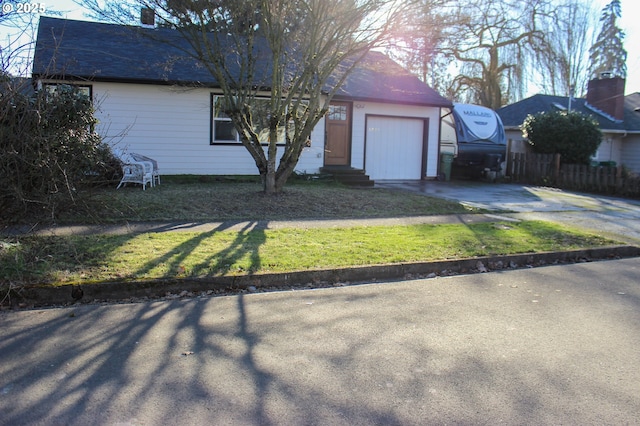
{"x":275,"y":180}
{"x":284,"y":171}
{"x":269,"y":182}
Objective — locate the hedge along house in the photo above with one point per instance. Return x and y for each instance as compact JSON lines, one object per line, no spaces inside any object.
{"x":150,"y":100}
{"x":618,"y":117}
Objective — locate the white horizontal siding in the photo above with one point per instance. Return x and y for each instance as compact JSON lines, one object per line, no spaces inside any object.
{"x":631,"y":153}
{"x":172,"y":125}
{"x":610,"y":149}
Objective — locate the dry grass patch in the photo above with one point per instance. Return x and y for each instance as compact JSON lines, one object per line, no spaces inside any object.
{"x":217,"y":201}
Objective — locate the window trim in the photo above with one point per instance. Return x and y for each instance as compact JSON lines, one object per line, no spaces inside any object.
{"x":54,"y":85}
{"x":213,"y":119}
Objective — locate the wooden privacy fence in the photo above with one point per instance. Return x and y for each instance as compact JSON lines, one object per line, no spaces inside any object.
{"x":546,"y":169}
{"x":589,"y":178}
{"x":533,"y":168}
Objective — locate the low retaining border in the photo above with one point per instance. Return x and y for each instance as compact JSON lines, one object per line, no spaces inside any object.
{"x":118,"y":291}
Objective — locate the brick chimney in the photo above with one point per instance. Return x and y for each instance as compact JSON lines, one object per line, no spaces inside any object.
{"x":147,"y":17}
{"x":607,"y":95}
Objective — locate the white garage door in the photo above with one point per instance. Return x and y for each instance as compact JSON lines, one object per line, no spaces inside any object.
{"x":394,"y":148}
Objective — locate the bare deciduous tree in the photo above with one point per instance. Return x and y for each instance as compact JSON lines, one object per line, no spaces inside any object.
{"x":480,"y":51}
{"x":494,"y":45}
{"x":419,"y":37}
{"x":563,"y":61}
{"x":18,"y":20}
{"x":300,"y":51}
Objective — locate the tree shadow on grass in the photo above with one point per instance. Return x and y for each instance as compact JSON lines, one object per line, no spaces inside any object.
{"x":246,"y":243}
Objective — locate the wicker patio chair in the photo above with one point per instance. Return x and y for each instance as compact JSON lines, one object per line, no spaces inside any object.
{"x":133,"y":171}
{"x":156,"y":172}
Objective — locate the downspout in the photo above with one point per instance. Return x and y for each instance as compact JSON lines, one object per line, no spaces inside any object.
{"x":624,"y":135}
{"x":424,"y":177}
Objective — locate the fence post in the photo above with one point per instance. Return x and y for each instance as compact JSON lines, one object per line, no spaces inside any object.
{"x":511,"y":163}
{"x":556,"y":168}
{"x":508,"y":157}
{"x":518,"y":169}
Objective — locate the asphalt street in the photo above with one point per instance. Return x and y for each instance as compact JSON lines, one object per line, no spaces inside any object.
{"x":545,"y":346}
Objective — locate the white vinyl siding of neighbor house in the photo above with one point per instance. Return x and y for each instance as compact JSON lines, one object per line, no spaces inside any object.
{"x":173,"y":126}
{"x":609,"y":149}
{"x":631,"y":153}
{"x":362,"y":109}
{"x":623,"y":150}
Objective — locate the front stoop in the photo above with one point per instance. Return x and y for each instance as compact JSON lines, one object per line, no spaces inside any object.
{"x":348,"y":175}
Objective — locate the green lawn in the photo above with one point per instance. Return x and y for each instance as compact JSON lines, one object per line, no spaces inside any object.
{"x":87,"y":259}
{"x":59,"y":260}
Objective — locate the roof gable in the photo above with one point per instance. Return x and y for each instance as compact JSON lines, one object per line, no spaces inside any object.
{"x":106,"y":52}
{"x":380,"y":78}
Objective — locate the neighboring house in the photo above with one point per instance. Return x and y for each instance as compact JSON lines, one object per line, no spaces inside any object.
{"x":383,"y":120}
{"x":618,"y":116}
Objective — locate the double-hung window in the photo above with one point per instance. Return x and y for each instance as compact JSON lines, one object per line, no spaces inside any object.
{"x":82,"y":89}
{"x":223,"y":131}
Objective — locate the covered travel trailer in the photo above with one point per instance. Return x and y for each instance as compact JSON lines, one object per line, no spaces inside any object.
{"x":475,"y":136}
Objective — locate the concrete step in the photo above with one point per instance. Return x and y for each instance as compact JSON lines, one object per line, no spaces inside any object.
{"x":349,"y":176}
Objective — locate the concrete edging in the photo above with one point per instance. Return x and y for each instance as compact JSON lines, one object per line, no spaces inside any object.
{"x":112,"y":291}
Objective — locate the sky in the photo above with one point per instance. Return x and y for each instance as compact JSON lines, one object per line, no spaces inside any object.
{"x":630,"y":12}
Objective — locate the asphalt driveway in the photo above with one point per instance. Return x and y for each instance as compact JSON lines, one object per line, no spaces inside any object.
{"x":610,"y":216}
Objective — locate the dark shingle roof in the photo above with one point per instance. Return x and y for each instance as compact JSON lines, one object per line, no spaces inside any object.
{"x":632,"y":112}
{"x":381,"y":79}
{"x":106,"y":52}
{"x":514,"y":115}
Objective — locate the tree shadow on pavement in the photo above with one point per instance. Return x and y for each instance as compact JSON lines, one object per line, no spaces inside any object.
{"x":463,"y":350}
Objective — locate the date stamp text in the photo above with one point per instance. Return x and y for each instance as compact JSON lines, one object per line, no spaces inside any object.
{"x":22,"y":7}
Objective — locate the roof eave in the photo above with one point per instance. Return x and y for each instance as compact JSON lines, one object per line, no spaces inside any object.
{"x":394,"y":101}
{"x":100,"y":79}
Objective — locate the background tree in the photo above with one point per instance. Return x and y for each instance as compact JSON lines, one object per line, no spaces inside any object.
{"x":300,"y":51}
{"x":481,"y":47}
{"x":562,"y":60}
{"x":576,"y":137}
{"x":491,"y":52}
{"x":503,"y":37}
{"x":15,"y":51}
{"x":608,"y":54}
{"x":418,"y":38}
